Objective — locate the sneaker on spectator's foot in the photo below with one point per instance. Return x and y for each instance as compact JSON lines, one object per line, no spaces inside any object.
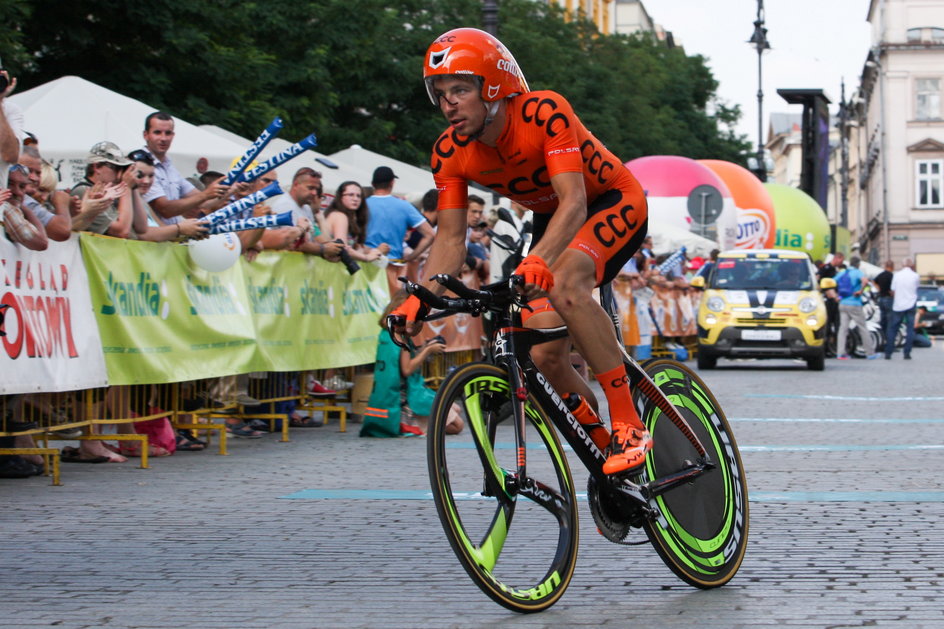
{"x":628,"y":449}
{"x":338,"y":383}
{"x":316,"y":389}
{"x":244,"y":399}
{"x":843,"y":356}
{"x":873,"y":356}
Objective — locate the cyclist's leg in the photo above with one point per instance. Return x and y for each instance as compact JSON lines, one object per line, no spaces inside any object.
{"x":614,"y":230}
{"x":553,"y":358}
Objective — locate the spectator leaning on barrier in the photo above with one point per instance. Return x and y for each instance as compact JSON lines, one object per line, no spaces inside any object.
{"x":19,"y":223}
{"x":303,"y":200}
{"x":139,"y":177}
{"x":56,"y":220}
{"x":53,"y":201}
{"x":171,"y":196}
{"x":105,"y":166}
{"x":347,"y":219}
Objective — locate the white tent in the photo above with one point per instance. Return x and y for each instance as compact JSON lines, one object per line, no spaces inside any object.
{"x":333,"y":171}
{"x":69,"y":115}
{"x":668,"y":238}
{"x":412,"y":182}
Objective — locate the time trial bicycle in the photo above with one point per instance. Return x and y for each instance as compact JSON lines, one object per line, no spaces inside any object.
{"x":507,"y":500}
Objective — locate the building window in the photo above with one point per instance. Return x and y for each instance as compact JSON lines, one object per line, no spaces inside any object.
{"x":929,"y":182}
{"x":937,"y":35}
{"x":914,"y":34}
{"x":928,"y":99}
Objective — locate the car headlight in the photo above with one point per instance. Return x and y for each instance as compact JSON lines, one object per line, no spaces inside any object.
{"x":715,"y":304}
{"x":710,"y":319}
{"x":807,"y":304}
{"x":812,"y":322}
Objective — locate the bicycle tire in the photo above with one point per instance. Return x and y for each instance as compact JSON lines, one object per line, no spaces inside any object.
{"x":701,"y":528}
{"x":525,"y":568}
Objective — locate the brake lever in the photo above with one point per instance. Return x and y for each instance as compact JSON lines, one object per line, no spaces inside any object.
{"x":517,"y":297}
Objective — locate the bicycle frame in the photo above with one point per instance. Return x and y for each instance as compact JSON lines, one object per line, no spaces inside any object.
{"x":511,"y":346}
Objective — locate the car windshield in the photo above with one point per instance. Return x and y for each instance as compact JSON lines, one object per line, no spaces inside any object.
{"x":931,"y":294}
{"x":762,"y":273}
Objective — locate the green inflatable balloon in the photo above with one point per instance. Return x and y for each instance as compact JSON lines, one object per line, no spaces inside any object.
{"x":801,"y":222}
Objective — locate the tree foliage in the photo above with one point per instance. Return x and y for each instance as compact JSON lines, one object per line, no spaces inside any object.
{"x":350,"y":70}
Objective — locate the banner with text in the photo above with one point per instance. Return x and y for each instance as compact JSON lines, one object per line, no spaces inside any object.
{"x":50,"y":339}
{"x":164,"y":319}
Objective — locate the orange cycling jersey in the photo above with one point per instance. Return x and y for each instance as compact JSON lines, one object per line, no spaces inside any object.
{"x":542,"y":138}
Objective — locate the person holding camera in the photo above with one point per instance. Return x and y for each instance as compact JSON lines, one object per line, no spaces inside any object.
{"x":346,"y":220}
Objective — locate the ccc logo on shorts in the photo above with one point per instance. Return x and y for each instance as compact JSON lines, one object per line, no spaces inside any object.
{"x":612,"y":226}
{"x":538,"y":110}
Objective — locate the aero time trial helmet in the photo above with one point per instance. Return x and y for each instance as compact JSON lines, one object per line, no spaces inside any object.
{"x":470,"y":51}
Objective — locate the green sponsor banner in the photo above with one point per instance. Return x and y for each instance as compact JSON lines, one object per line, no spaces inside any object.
{"x":164,"y":319}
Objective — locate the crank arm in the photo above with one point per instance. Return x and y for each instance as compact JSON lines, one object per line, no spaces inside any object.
{"x":663,"y":484}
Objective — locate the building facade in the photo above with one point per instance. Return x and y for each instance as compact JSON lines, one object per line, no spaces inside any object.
{"x":896,"y":133}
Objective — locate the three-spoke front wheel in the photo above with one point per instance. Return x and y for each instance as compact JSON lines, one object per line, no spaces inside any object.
{"x":516,"y":538}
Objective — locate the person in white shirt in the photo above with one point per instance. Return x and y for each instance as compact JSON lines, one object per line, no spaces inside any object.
{"x":905,"y":293}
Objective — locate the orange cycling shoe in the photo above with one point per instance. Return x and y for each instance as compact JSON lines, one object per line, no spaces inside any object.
{"x":628,"y":449}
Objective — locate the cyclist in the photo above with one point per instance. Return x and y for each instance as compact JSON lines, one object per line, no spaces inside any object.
{"x":590,"y":213}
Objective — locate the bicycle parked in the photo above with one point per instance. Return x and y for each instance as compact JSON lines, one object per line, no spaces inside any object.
{"x":507,"y":501}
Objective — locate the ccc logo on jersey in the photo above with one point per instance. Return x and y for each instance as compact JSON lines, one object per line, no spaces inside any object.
{"x":543,"y":111}
{"x":595,"y":162}
{"x":445,"y":147}
{"x":524,"y":185}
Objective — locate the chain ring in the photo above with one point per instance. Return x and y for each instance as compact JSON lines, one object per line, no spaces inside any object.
{"x":612,"y":526}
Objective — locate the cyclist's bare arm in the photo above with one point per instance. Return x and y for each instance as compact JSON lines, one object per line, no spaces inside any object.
{"x":569,"y":217}
{"x":446,"y":254}
{"x":448,"y":250}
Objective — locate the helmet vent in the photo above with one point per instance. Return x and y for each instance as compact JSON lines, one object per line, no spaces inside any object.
{"x":436,"y":59}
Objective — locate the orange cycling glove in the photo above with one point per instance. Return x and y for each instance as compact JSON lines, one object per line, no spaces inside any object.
{"x":535,"y":271}
{"x":411,"y":309}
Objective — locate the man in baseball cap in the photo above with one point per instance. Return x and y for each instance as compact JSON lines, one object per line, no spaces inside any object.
{"x":383,"y":175}
{"x":107,"y":152}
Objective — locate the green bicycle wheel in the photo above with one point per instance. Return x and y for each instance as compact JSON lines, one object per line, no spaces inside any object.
{"x":518,"y":545}
{"x":701,"y":528}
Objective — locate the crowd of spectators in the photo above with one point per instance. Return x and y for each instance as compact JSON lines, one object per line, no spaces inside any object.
{"x":139,"y":193}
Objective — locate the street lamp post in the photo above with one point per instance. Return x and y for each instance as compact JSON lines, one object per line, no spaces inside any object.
{"x":490,"y":17}
{"x":759,"y":39}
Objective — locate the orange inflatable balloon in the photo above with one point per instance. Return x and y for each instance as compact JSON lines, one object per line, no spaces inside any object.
{"x":756,"y":221}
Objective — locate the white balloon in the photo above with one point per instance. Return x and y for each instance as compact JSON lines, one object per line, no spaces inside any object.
{"x":216,"y":253}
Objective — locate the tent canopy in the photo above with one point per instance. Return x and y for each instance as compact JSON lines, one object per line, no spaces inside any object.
{"x":667,"y":238}
{"x":412,"y":182}
{"x":69,"y":115}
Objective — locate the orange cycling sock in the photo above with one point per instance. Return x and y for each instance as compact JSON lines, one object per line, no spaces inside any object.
{"x":615,"y":385}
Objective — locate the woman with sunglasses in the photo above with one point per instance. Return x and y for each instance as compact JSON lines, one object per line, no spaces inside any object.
{"x":346,"y":219}
{"x":138,"y":177}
